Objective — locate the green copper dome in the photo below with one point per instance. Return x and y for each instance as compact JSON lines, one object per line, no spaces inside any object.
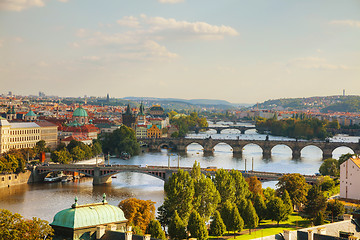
{"x":80,"y":112}
{"x":82,"y":216}
{"x":30,"y":114}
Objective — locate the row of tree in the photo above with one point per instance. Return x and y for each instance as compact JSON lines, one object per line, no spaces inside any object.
{"x":186,"y":122}
{"x":14,"y":226}
{"x":305,"y":128}
{"x":14,"y":160}
{"x":76,"y":151}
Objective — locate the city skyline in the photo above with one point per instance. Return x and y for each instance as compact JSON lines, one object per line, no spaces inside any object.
{"x":242,"y":52}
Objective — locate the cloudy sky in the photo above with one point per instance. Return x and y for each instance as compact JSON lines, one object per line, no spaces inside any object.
{"x":243,"y":51}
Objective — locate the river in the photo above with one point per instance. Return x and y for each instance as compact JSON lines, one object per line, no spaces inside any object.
{"x":45,"y":200}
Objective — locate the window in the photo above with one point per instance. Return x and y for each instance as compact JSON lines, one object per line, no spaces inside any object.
{"x":9,"y":177}
{"x":3,"y":179}
{"x":15,"y":177}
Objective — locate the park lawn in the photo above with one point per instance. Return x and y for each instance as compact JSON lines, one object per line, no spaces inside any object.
{"x":268,"y":227}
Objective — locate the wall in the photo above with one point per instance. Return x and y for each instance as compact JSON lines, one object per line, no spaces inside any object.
{"x":8,"y":180}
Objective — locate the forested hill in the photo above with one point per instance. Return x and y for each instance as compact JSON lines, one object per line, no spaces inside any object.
{"x":324,"y":104}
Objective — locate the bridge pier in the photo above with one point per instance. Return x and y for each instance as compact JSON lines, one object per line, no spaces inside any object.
{"x":98,"y":179}
{"x":218,"y":130}
{"x":242,"y":131}
{"x":327,"y":153}
{"x":296,"y":154}
{"x":267,"y":153}
{"x":237,"y":150}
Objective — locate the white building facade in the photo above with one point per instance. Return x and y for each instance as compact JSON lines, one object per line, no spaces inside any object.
{"x":350,"y":179}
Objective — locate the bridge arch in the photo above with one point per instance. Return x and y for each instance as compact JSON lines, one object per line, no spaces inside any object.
{"x":223,"y":131}
{"x":311,"y":150}
{"x":159,"y":175}
{"x":284,"y":148}
{"x":252,"y":147}
{"x":223,"y":147}
{"x":168,"y":145}
{"x":196,"y":145}
{"x":340,"y":150}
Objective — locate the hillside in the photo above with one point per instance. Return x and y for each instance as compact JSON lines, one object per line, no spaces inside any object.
{"x":324,"y":104}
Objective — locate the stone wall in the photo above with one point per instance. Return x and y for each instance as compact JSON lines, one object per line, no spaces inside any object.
{"x":8,"y":180}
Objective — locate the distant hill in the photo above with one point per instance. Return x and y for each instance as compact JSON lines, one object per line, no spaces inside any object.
{"x":190,"y":101}
{"x":324,"y":104}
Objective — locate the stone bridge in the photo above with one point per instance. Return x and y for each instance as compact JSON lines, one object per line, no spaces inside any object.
{"x":208,"y":144}
{"x":101,"y":174}
{"x":218,"y":129}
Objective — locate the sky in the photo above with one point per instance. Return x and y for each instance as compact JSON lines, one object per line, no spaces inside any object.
{"x":242,"y":51}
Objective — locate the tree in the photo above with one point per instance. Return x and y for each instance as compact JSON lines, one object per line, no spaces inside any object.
{"x":330,"y":167}
{"x":345,"y":157}
{"x":251,"y":218}
{"x":296,"y":186}
{"x":217,"y":225}
{"x":335,"y":208}
{"x":326,"y":183}
{"x":225,"y":211}
{"x":63,"y":156}
{"x":315,"y":203}
{"x":319,"y":219}
{"x":255,"y":185}
{"x":96,"y":147}
{"x":154,"y":229}
{"x":139,"y":212}
{"x":196,"y":226}
{"x":77,"y":153}
{"x":195,"y":171}
{"x":13,"y":226}
{"x":260,"y":207}
{"x":206,"y":197}
{"x":241,"y":186}
{"x":225,"y":185}
{"x":179,"y":191}
{"x":269,"y":193}
{"x":121,"y":140}
{"x":287,"y":202}
{"x":276,"y":210}
{"x":237,"y":221}
{"x":177,"y":228}
{"x":41,"y":147}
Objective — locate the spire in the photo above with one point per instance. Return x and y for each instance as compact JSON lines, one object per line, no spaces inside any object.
{"x":128,"y":109}
{"x":141,"y":112}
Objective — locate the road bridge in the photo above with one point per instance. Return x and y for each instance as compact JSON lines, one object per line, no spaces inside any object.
{"x":237,"y":145}
{"x":101,"y":174}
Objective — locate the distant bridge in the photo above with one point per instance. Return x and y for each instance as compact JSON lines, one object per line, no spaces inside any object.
{"x":218,"y":129}
{"x":208,"y":144}
{"x":101,"y":174}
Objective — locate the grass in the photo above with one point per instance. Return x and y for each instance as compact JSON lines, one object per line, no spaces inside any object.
{"x":268,"y":227}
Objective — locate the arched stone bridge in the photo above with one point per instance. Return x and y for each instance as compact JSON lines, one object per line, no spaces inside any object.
{"x":242,"y":129}
{"x":101,"y":174}
{"x":208,"y":144}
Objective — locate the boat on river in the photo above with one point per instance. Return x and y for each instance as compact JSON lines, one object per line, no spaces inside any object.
{"x":52,"y":179}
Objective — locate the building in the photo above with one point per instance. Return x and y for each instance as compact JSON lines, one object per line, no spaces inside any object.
{"x":30,"y":116}
{"x":156,"y":111}
{"x":88,"y":221}
{"x":154,"y":131}
{"x":81,"y":116}
{"x":141,"y":131}
{"x":48,"y":133}
{"x":350,"y":179}
{"x":128,"y":118}
{"x":17,"y":135}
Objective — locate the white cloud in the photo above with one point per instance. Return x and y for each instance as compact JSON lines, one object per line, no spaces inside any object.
{"x":170,"y":1}
{"x":18,"y":39}
{"x":91,"y":58}
{"x":42,"y":64}
{"x":315,"y":63}
{"x":160,"y":24}
{"x":19,"y":5}
{"x":81,"y":32}
{"x":128,"y":21}
{"x":350,"y":23}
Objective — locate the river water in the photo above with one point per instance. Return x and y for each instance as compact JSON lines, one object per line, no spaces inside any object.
{"x":45,"y":200}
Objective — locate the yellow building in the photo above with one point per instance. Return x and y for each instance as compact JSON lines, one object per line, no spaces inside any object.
{"x":154,"y":131}
{"x":24,"y":135}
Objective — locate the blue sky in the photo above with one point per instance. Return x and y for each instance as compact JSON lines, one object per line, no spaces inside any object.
{"x":243,"y":51}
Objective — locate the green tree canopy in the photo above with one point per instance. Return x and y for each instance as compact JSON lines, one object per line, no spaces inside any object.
{"x":260,"y":207}
{"x":330,"y":167}
{"x":177,"y":229}
{"x":217,"y":226}
{"x":277,"y":210}
{"x":315,"y":203}
{"x":287,"y":202}
{"x":196,"y":226}
{"x":15,"y":227}
{"x":225,"y":185}
{"x":335,"y":208}
{"x":251,"y":218}
{"x":296,"y":186}
{"x":154,"y":229}
{"x":121,"y":140}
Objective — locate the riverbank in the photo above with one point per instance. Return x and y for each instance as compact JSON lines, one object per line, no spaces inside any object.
{"x":12,"y":179}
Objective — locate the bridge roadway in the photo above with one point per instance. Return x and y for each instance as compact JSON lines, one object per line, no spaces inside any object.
{"x":218,"y":129}
{"x":208,"y":144}
{"x":101,"y":174}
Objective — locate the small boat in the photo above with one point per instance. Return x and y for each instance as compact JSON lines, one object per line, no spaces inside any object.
{"x":125,"y":155}
{"x":114,"y":176}
{"x":52,"y":179}
{"x":66,"y":178}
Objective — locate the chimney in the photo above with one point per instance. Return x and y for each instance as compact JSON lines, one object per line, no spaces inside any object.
{"x":321,"y":230}
{"x":146,"y":237}
{"x":310,"y":234}
{"x":100,"y":231}
{"x":287,"y":235}
{"x":128,"y":235}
